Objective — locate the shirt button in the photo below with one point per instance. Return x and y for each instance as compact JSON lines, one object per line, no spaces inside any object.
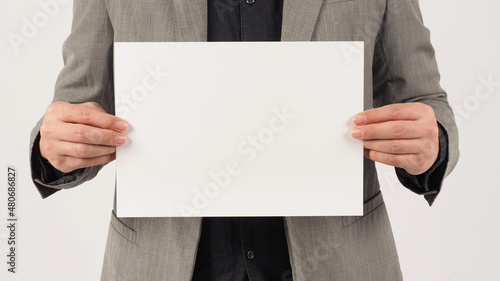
{"x":250,"y":255}
{"x":250,"y":1}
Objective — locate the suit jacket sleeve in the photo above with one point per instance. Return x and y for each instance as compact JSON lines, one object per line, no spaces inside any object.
{"x":87,"y":75}
{"x":405,"y":70}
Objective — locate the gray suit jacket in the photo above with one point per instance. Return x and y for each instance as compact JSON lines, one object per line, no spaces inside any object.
{"x":399,"y":67}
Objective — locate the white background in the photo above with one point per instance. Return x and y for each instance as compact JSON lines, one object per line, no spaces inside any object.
{"x":63,"y":237}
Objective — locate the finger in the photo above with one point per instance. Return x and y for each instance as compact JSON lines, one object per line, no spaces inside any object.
{"x":82,"y":150}
{"x":93,"y":105}
{"x":396,"y":160}
{"x":85,"y":114}
{"x":388,"y":130}
{"x":398,"y":146}
{"x":79,"y":133}
{"x":74,"y":163}
{"x":398,"y":111}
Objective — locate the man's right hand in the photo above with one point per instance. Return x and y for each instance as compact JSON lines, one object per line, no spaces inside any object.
{"x":75,"y":136}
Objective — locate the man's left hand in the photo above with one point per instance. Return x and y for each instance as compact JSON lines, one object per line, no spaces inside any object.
{"x":404,"y":135}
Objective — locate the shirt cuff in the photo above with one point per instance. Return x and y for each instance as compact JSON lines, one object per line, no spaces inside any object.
{"x":44,"y":171}
{"x":428,"y":183}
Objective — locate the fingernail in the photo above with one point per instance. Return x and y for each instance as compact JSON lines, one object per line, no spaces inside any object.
{"x":121,"y":125}
{"x":357,"y":133}
{"x":121,"y":139}
{"x":360,"y":119}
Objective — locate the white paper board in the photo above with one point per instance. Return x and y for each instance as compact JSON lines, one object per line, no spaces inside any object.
{"x":239,"y":129}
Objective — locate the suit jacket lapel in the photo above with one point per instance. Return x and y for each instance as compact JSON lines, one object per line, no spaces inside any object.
{"x":299,"y":19}
{"x":192,"y":19}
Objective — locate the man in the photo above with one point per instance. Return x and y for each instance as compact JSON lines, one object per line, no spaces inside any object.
{"x":412,"y":128}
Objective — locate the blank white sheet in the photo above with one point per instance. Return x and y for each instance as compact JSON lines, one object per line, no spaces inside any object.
{"x":239,"y":129}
